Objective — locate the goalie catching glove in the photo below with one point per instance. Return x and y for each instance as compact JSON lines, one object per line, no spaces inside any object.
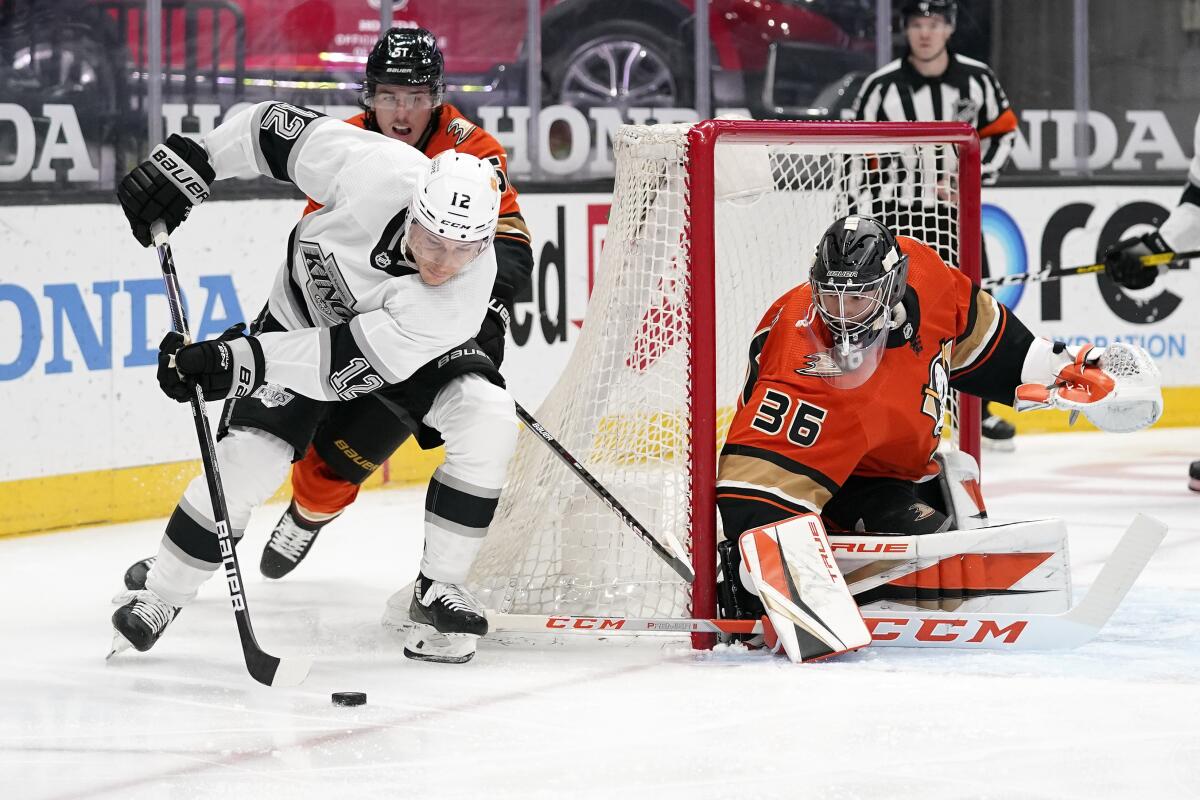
{"x":230,"y":366}
{"x":1118,"y":388}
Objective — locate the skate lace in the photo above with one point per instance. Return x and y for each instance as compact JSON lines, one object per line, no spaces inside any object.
{"x":455,"y":597}
{"x":289,"y":539}
{"x":154,"y":612}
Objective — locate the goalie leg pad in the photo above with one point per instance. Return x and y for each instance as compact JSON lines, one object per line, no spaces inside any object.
{"x":807,"y":602}
{"x":958,"y":480}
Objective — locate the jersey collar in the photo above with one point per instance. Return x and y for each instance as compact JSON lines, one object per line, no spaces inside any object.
{"x":916,"y":78}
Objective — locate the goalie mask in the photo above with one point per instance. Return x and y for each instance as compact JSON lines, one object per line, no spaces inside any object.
{"x":858,"y":277}
{"x":452,"y":217}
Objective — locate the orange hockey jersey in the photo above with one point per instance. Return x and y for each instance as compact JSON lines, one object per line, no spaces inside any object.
{"x":795,"y":438}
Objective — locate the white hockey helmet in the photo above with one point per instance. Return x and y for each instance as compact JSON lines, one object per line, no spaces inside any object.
{"x":458,"y":198}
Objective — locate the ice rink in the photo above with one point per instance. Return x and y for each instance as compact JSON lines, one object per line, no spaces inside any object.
{"x":1117,"y":718}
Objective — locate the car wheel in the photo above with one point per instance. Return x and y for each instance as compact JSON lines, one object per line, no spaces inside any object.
{"x":620,"y":65}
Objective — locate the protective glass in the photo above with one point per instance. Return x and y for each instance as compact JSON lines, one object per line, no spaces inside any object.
{"x":433,"y":251}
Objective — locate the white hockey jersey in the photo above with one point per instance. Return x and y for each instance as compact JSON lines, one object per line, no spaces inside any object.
{"x":357,"y":314}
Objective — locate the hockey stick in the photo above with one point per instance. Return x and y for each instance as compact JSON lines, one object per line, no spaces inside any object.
{"x":673,"y":559}
{"x":974,"y":631}
{"x":263,"y":667}
{"x":1050,"y":274}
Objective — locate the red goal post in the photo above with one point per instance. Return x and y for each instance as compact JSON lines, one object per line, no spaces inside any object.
{"x":709,"y":224}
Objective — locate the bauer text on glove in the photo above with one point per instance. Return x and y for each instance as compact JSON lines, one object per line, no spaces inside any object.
{"x":165,"y":186}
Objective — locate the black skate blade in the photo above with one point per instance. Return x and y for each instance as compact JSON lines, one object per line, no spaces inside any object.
{"x":436,"y":659}
{"x":425,"y":643}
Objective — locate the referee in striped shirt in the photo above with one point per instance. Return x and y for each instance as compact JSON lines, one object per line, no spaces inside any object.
{"x":931,"y":83}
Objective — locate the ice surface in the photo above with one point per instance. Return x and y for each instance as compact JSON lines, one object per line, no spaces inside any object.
{"x":1118,"y":718}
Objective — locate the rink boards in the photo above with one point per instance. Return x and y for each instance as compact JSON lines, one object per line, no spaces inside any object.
{"x":82,"y":311}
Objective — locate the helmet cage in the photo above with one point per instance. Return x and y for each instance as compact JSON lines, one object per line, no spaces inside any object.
{"x":854,"y":313}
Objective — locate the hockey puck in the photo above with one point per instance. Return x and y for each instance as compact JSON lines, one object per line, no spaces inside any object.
{"x":349,"y":698}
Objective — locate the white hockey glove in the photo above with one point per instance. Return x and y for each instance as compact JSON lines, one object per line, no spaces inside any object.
{"x":1118,"y":388}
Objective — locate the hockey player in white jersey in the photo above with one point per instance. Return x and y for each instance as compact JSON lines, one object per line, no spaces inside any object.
{"x":1179,"y":233}
{"x":380,"y":291}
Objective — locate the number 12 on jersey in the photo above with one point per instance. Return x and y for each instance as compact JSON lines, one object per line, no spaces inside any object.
{"x":773,"y":411}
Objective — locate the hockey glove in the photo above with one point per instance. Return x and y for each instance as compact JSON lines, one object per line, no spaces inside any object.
{"x":1118,"y":388}
{"x":494,"y":331}
{"x":165,"y":186}
{"x":1123,"y":262}
{"x":230,"y":366}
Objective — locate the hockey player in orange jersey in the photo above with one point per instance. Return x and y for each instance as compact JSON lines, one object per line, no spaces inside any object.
{"x":848,"y":380}
{"x":402,"y":97}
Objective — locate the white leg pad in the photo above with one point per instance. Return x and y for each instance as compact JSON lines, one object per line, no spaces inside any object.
{"x":802,"y":589}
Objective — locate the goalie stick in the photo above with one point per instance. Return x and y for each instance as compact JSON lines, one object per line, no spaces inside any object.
{"x":676,"y":560}
{"x":1175,"y":260}
{"x":263,"y":667}
{"x":974,"y":631}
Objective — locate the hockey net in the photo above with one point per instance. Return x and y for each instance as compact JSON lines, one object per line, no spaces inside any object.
{"x":709,"y":224}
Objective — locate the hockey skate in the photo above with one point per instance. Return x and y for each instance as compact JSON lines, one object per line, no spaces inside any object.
{"x":290,"y":542}
{"x":135,"y":576}
{"x":446,"y":622}
{"x":141,"y":621}
{"x":1194,"y":476}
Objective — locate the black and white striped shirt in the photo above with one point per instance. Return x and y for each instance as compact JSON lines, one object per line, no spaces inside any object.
{"x":966,"y":92}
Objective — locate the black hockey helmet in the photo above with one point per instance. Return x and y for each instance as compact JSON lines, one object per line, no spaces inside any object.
{"x":405,"y":57}
{"x":948,"y":9}
{"x":859,"y":274}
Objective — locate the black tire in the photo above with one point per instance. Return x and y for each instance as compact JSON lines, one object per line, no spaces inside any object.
{"x":578,"y":72}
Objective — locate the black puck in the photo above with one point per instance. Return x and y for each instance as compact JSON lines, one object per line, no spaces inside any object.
{"x":349,"y":698}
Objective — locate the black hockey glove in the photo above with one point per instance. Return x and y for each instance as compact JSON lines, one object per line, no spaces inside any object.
{"x":1122,"y":261}
{"x":494,"y":331}
{"x":230,"y":366}
{"x":165,"y":186}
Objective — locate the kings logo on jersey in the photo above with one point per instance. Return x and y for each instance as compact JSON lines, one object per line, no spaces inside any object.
{"x":936,"y":393}
{"x":326,"y":286}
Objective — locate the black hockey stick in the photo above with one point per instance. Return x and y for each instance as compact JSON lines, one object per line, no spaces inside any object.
{"x":681,"y":567}
{"x":263,"y":667}
{"x":1175,"y":260}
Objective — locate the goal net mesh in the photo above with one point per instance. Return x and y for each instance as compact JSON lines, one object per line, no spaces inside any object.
{"x":622,"y":404}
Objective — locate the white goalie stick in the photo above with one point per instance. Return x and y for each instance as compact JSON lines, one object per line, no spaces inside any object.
{"x":676,"y":560}
{"x":972,"y":631}
{"x":262,"y":666}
